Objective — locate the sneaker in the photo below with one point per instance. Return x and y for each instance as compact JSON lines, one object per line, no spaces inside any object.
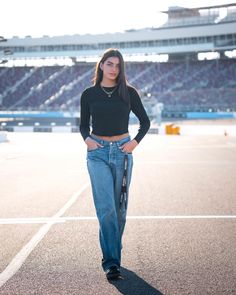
{"x":113,"y":273}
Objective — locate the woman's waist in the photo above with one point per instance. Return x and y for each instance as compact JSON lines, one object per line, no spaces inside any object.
{"x":115,"y":139}
{"x":111,"y":138}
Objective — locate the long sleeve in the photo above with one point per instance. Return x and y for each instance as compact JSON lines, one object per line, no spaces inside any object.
{"x":138,"y":109}
{"x":84,"y":116}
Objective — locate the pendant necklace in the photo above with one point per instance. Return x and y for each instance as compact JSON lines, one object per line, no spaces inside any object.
{"x":109,"y":93}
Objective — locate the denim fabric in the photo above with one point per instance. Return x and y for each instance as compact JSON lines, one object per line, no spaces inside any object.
{"x":106,"y":168}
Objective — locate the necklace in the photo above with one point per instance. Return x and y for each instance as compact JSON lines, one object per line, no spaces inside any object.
{"x":109,"y":93}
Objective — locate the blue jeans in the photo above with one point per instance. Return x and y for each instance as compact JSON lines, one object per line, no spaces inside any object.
{"x":106,"y":169}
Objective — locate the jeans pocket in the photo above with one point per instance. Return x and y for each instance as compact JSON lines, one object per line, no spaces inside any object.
{"x":93,"y":150}
{"x":124,"y":152}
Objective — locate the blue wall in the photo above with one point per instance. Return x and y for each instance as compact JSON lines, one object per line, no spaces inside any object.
{"x":208,"y":115}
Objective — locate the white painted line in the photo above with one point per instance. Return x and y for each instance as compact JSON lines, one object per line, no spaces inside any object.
{"x":30,"y":220}
{"x":184,"y":217}
{"x":58,"y":219}
{"x":158,"y":217}
{"x":20,"y":258}
{"x":80,"y":218}
{"x":190,"y":162}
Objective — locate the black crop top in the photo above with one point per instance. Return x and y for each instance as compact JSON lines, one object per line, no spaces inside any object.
{"x":110,"y":115}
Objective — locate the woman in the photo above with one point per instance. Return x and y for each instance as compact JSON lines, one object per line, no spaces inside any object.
{"x":109,"y":150}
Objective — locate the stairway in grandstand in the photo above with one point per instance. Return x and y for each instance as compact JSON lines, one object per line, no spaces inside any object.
{"x":39,"y":87}
{"x":141,"y":74}
{"x":67,"y":90}
{"x":12,"y":90}
{"x":157,"y":79}
{"x":212,"y":86}
{"x":187,"y":80}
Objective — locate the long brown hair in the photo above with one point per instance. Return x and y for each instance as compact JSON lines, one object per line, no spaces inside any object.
{"x":121,"y":78}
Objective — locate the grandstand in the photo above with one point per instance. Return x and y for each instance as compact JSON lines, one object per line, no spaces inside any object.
{"x":188,"y":64}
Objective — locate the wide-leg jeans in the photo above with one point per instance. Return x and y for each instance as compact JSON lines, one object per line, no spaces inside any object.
{"x":106,"y":169}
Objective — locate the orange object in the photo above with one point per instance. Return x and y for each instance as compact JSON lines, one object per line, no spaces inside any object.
{"x":172,"y":130}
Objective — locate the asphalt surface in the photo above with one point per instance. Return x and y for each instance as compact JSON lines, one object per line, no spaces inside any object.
{"x":180,"y":236}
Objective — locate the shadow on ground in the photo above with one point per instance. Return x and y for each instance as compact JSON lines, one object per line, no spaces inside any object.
{"x":132,"y":284}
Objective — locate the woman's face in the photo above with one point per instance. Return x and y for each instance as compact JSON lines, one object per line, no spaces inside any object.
{"x":110,"y":68}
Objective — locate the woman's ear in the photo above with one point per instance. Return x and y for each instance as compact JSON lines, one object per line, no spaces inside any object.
{"x":101,"y":66}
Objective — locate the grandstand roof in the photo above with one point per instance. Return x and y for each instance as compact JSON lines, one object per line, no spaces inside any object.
{"x":173,"y":9}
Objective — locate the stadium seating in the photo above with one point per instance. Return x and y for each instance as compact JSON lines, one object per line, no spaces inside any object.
{"x":182,"y":86}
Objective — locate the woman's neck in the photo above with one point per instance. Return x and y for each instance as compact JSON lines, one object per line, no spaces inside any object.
{"x":108,"y":83}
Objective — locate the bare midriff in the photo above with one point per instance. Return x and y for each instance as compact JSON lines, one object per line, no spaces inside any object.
{"x":112,"y":138}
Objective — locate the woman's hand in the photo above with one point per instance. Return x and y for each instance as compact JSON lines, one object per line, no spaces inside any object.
{"x":92,"y":144}
{"x":129,"y":146}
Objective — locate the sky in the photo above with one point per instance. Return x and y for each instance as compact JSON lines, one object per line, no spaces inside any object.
{"x":68,"y":17}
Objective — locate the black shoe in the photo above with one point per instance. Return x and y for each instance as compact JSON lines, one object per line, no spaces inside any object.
{"x":113,"y":273}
